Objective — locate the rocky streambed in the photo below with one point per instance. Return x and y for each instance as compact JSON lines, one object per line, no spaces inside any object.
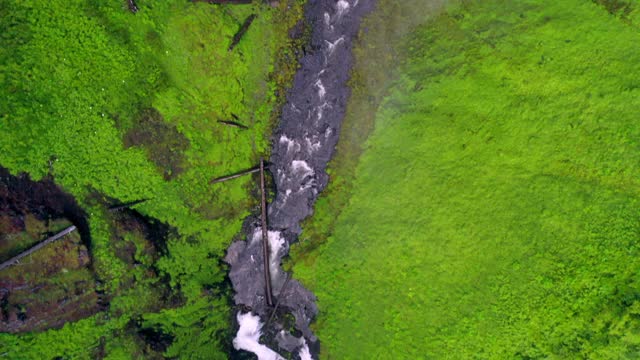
{"x":302,"y":146}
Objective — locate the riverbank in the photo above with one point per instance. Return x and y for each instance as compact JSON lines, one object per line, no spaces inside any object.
{"x":492,"y":210}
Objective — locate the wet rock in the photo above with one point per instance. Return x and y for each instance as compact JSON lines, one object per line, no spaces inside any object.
{"x":302,"y":145}
{"x":288,"y":342}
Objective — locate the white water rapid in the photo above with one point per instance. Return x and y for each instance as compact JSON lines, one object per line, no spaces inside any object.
{"x":305,"y":140}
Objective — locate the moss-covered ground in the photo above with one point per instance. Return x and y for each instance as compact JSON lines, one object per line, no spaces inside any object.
{"x":116,"y":106}
{"x":493,"y":212}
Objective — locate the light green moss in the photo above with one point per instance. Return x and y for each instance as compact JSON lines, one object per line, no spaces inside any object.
{"x":493,"y":213}
{"x":76,"y":75}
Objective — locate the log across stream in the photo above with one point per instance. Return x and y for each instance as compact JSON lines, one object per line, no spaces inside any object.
{"x":302,"y":145}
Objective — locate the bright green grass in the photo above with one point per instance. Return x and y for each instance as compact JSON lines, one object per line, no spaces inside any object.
{"x":75,"y":76}
{"x":494,"y":212}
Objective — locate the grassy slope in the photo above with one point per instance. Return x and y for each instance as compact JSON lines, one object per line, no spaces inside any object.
{"x":75,"y":77}
{"x":495,"y":209}
{"x":376,"y":57}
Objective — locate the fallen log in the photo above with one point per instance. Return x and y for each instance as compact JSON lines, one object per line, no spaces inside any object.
{"x":233,"y":124}
{"x":243,"y":30}
{"x":265,"y":237}
{"x":126,"y":205}
{"x":275,"y":308}
{"x":234,"y":176}
{"x":37,"y":247}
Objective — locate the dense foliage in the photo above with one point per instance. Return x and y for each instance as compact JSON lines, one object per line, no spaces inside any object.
{"x":115,"y":105}
{"x":494,"y":211}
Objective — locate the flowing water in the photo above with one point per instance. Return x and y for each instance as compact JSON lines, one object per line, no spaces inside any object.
{"x":303,"y":144}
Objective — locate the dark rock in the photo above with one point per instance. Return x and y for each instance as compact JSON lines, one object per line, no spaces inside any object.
{"x":288,"y":342}
{"x":302,"y":145}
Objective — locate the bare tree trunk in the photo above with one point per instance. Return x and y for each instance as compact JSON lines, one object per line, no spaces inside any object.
{"x":37,"y":247}
{"x":275,"y":308}
{"x":234,"y":176}
{"x":126,"y":205}
{"x":265,"y":237}
{"x":233,"y":124}
{"x":243,"y":29}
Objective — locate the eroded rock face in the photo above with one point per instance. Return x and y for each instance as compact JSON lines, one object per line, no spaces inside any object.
{"x":57,"y":283}
{"x":32,"y":297}
{"x":302,"y":145}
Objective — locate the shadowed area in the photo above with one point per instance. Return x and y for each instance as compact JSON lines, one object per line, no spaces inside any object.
{"x":55,"y":284}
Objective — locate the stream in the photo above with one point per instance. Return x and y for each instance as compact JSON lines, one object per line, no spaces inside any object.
{"x":302,"y":145}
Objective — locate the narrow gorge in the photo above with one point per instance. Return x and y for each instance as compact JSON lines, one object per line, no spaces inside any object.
{"x":302,"y":146}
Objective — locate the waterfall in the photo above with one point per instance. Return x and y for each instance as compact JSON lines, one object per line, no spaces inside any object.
{"x":303,"y":144}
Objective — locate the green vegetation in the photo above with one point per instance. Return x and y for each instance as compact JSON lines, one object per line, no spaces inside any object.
{"x":375,"y":53}
{"x":122,"y":106}
{"x":494,"y":210}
